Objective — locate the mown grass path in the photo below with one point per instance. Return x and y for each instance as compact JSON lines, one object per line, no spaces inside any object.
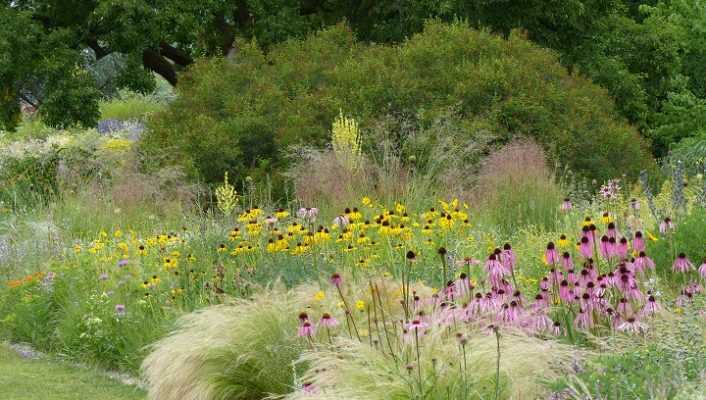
{"x":26,"y":379}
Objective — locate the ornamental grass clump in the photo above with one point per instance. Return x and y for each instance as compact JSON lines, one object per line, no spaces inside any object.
{"x":243,"y":350}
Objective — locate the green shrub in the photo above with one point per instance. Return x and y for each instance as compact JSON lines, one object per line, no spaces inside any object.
{"x":130,"y":106}
{"x":241,"y":115}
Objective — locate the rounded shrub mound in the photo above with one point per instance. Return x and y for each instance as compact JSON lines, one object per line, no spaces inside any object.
{"x":242,"y":114}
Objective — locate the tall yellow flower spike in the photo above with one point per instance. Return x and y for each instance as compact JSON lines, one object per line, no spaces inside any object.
{"x":226,"y":196}
{"x":346,"y":141}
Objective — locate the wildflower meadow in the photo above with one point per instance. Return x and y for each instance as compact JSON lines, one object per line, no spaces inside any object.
{"x":434,"y":208}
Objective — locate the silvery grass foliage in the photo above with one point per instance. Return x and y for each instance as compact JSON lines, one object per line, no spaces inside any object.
{"x":356,"y":371}
{"x":242,"y":350}
{"x":254,"y":349}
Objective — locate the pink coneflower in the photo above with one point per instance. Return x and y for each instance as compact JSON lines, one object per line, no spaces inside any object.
{"x":509,"y":312}
{"x":684,"y":298}
{"x":544,"y":283}
{"x":571,"y":276}
{"x":468,"y":261}
{"x":328,"y":321}
{"x":341,"y":221}
{"x":551,"y":256}
{"x":584,"y":277}
{"x":566,"y":261}
{"x":271,"y":220}
{"x":489,"y":303}
{"x":632,"y":325}
{"x":540,"y":302}
{"x":638,"y":243}
{"x":634,"y":204}
{"x":624,"y":307}
{"x":565,"y":292}
{"x":308,"y":213}
{"x":417,"y":324}
{"x":103,"y":276}
{"x":604,"y":247}
{"x":702,"y":270}
{"x":309,"y":388}
{"x":566,"y":205}
{"x":495,"y":270}
{"x":306,"y":329}
{"x":651,"y":307}
{"x":583,"y":320}
{"x":123,"y":262}
{"x":694,"y":288}
{"x":541,"y":323}
{"x":622,"y":248}
{"x":642,"y":262}
{"x":336,"y":279}
{"x":592,"y":232}
{"x":555,"y":276}
{"x":682,"y":264}
{"x":120,"y":310}
{"x":666,"y":225}
{"x":476,"y":305}
{"x":464,"y":285}
{"x":508,"y":258}
{"x":612,"y":232}
{"x":585,"y":247}
{"x":556,"y":329}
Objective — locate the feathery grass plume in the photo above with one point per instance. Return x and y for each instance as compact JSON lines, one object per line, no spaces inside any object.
{"x":516,"y":187}
{"x":346,"y":141}
{"x":244,"y":350}
{"x":226,"y":196}
{"x":357,"y":371}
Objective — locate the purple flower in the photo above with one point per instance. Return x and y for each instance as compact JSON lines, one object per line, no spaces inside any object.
{"x":336,"y":279}
{"x":306,"y":329}
{"x":682,"y":264}
{"x":120,"y":310}
{"x":328,"y":321}
{"x":551,"y":256}
{"x":123,"y":262}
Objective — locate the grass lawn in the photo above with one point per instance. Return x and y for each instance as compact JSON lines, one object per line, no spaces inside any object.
{"x":22,"y":379}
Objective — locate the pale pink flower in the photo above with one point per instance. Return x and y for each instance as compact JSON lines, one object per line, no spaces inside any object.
{"x":638,"y":243}
{"x":682,"y":264}
{"x":632,"y":325}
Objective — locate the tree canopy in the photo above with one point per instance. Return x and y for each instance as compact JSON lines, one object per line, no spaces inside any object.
{"x":646,"y":53}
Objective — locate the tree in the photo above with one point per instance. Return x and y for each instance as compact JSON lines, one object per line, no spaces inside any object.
{"x":47,"y":47}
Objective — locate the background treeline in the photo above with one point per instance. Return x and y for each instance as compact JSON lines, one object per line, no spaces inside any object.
{"x":252,"y":80}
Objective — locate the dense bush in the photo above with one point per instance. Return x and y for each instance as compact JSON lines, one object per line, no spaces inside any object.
{"x":241,"y":115}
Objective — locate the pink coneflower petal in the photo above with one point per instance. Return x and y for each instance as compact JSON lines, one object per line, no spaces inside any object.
{"x":682,"y":264}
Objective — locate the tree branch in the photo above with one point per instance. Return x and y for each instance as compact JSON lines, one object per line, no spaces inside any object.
{"x":153,"y":61}
{"x":176,"y":55}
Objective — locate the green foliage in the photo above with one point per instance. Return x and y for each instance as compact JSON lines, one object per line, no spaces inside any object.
{"x":241,"y":116}
{"x":687,"y":238}
{"x":668,"y":364}
{"x":683,"y":117}
{"x":38,"y":67}
{"x":130,"y":106}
